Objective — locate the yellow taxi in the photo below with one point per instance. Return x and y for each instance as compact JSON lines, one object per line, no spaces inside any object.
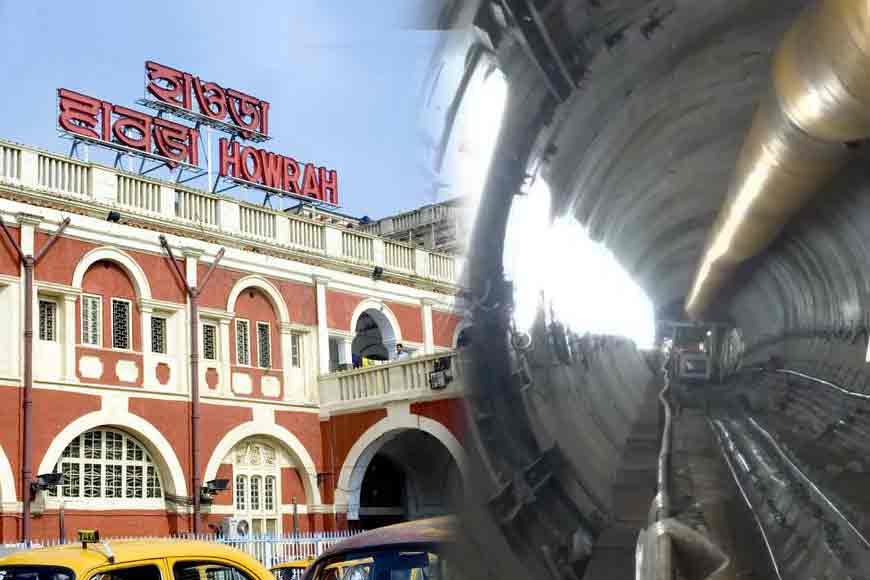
{"x":292,"y":570}
{"x":92,"y":559}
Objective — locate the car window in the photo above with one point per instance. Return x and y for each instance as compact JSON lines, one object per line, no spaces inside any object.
{"x":289,"y":573}
{"x":205,"y":570}
{"x":387,"y":565}
{"x":36,"y":573}
{"x":148,"y":572}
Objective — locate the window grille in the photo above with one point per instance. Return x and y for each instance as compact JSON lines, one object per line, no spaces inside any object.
{"x":296,"y":348}
{"x":240,"y":492}
{"x":105,"y":463}
{"x":135,"y":476}
{"x":91,"y":320}
{"x":120,"y":324}
{"x":209,"y":342}
{"x":255,"y":492}
{"x":243,"y":351}
{"x":47,"y":320}
{"x":264,"y":346}
{"x":158,"y":334}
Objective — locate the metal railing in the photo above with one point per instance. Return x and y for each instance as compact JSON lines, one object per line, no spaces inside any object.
{"x":88,"y":185}
{"x":268,"y":550}
{"x":390,"y":380}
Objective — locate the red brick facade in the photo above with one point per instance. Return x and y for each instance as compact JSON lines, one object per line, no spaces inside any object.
{"x":144,"y":392}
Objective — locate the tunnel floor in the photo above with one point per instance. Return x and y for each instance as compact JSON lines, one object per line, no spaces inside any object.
{"x":633,"y":491}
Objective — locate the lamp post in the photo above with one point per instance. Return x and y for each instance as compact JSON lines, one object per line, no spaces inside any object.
{"x":193,"y":293}
{"x":29,"y":262}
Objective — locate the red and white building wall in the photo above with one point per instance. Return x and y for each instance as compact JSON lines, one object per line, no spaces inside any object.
{"x":111,"y":402}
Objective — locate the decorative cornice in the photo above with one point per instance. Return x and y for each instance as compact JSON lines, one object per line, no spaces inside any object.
{"x":28,"y":219}
{"x":216,"y":313}
{"x":160,"y":304}
{"x":55,"y":288}
{"x":288,"y":327}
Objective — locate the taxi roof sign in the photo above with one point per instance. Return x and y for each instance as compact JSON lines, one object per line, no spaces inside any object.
{"x":88,"y":537}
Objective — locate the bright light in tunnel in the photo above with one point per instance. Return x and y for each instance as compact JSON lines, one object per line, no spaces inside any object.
{"x":558,"y":263}
{"x":473,"y":138}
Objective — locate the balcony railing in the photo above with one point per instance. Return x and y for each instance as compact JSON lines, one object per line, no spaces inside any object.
{"x":391,"y":381}
{"x":97,"y":186}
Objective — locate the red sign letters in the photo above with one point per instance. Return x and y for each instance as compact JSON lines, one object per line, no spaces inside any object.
{"x":260,"y":167}
{"x":181,"y":89}
{"x":112,"y":124}
{"x":184,"y":95}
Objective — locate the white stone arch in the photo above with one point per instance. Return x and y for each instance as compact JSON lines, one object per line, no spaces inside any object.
{"x":7,"y":479}
{"x":148,"y":435}
{"x":285,"y":438}
{"x":388,"y":324}
{"x":356,"y":463}
{"x":254,"y":281}
{"x":131,"y":266}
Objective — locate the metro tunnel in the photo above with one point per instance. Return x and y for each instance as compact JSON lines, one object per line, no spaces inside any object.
{"x":717,"y":149}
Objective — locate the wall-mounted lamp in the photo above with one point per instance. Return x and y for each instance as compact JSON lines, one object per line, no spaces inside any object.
{"x":378,"y":273}
{"x":44,"y":482}
{"x":113,"y":217}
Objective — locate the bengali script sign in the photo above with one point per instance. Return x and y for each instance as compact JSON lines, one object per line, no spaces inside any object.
{"x":101,"y":121}
{"x":209,"y":99}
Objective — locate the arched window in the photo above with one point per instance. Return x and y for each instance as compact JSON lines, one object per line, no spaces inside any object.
{"x":107,"y":464}
{"x":256,"y":468}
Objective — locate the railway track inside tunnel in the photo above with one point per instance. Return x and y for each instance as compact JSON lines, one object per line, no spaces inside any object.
{"x":693,"y":144}
{"x":807,"y":534}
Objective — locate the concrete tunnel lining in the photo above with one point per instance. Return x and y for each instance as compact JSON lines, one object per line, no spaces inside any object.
{"x":642,"y":153}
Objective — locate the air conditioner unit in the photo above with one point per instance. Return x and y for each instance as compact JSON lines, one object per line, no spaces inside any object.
{"x":232,"y":528}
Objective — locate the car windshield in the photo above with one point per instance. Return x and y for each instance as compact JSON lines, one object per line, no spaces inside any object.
{"x":36,"y":573}
{"x":387,"y":565}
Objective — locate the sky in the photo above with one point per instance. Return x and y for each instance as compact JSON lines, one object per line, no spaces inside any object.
{"x":343,"y":77}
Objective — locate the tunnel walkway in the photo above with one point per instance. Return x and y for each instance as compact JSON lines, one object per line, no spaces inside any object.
{"x":632,"y":493}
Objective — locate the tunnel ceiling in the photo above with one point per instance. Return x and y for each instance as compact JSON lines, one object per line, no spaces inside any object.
{"x":643,"y":149}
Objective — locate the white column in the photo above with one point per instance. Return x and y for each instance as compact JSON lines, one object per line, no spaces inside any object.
{"x":225,"y":378}
{"x":28,"y":223}
{"x":29,"y":167}
{"x":322,"y":328}
{"x":167,"y":201}
{"x":294,"y":387}
{"x":104,"y":184}
{"x":345,"y":352}
{"x":428,"y":334}
{"x":149,"y":375}
{"x":332,"y":241}
{"x":70,"y":323}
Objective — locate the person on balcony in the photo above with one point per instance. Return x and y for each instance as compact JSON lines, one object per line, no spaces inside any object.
{"x":401,"y":353}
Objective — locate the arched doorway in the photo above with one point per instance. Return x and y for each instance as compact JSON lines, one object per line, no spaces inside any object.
{"x":409,"y":475}
{"x":375,"y":337}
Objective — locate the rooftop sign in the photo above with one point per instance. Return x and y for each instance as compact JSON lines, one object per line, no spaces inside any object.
{"x":174,"y":145}
{"x":187,"y":96}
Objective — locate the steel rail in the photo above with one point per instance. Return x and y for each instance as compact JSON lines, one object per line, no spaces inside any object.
{"x":745,"y":497}
{"x":807,"y":481}
{"x":829,"y":384}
